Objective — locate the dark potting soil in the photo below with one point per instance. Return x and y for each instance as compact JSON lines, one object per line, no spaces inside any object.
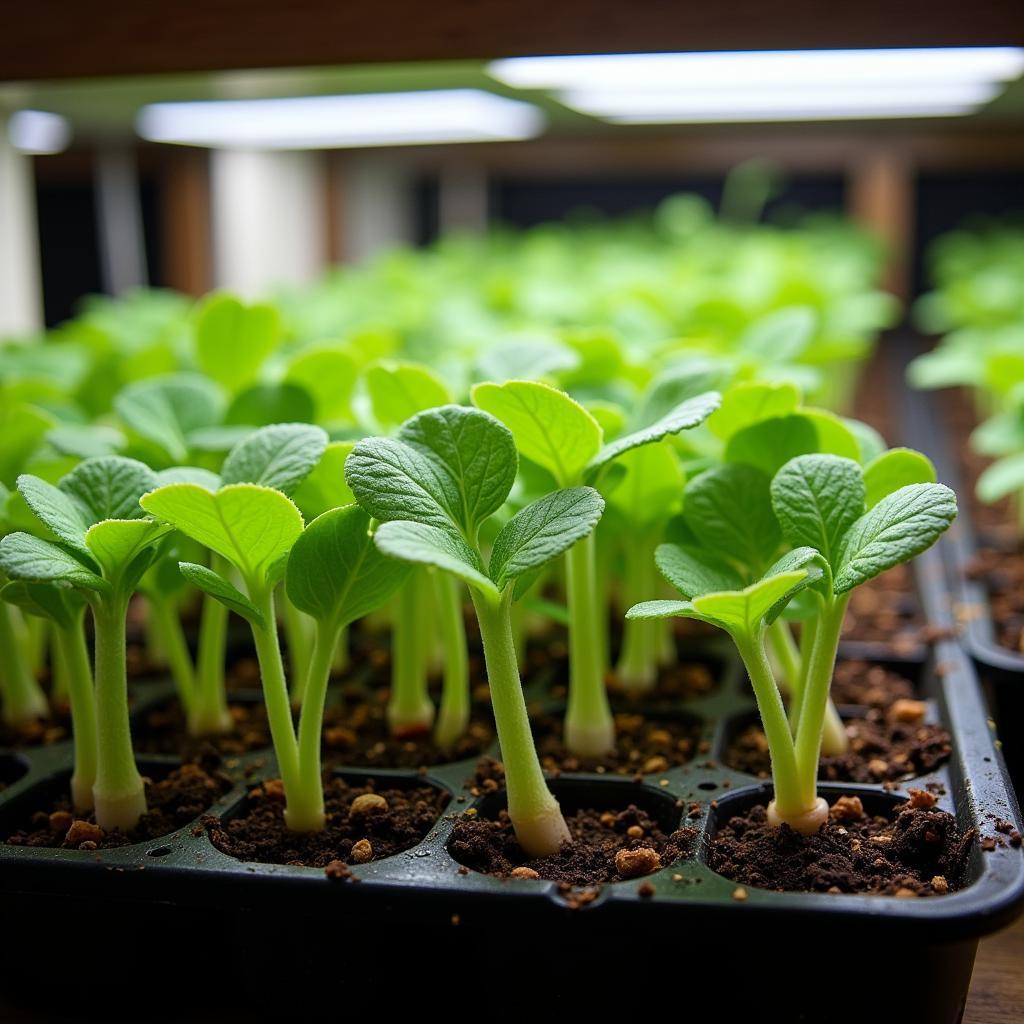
{"x":350,"y":837}
{"x":686,"y":680}
{"x":869,"y":684}
{"x":172,"y":802}
{"x":38,"y":732}
{"x":162,"y":730}
{"x":644,"y":743}
{"x":881,"y":750}
{"x":357,"y":734}
{"x":916,"y":851}
{"x":606,"y":846}
{"x":885,"y":610}
{"x":1001,"y":573}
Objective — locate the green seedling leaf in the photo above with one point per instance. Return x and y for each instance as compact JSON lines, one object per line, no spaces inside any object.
{"x":234,"y":340}
{"x":819,"y":576}
{"x":166,"y":410}
{"x":24,"y":557}
{"x":548,"y":426}
{"x":869,"y":440}
{"x":900,"y":526}
{"x":188,"y":475}
{"x":688,"y":414}
{"x":834,"y":434}
{"x":250,"y":525}
{"x":742,"y":612}
{"x":1001,"y":479}
{"x":661,"y":610}
{"x":671,"y":389}
{"x":473,"y":458}
{"x":115,"y":543}
{"x":652,"y":485}
{"x":279,"y":456}
{"x":23,"y":427}
{"x":693,"y":572}
{"x":526,"y":359}
{"x":610,"y":417}
{"x":780,"y":336}
{"x":542,"y":531}
{"x":816,"y":499}
{"x":54,"y":601}
{"x":220,"y":589}
{"x":441,"y":548}
{"x":895,"y":469}
{"x":325,"y":487}
{"x":58,"y":511}
{"x":399,"y":391}
{"x":264,"y":404}
{"x":999,"y":435}
{"x":86,"y":440}
{"x":770,"y":444}
{"x":336,"y":573}
{"x":751,"y":402}
{"x":109,"y":487}
{"x":328,"y":374}
{"x":728,"y":508}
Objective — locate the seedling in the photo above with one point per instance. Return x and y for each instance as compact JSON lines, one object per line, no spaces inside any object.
{"x":104,"y":544}
{"x":64,"y":607}
{"x":335,"y":575}
{"x":820,"y":505}
{"x":558,"y":434}
{"x":432,"y":487}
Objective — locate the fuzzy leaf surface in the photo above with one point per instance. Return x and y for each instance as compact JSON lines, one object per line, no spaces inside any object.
{"x":336,"y":573}
{"x":24,"y":557}
{"x":543,"y":531}
{"x":279,"y":456}
{"x":900,"y":526}
{"x":221,"y":590}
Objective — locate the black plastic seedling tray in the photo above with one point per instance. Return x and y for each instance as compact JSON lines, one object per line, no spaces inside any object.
{"x":415,"y":935}
{"x":1001,"y":669}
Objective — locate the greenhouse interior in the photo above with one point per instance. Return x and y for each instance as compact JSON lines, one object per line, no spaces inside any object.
{"x":485,"y":476}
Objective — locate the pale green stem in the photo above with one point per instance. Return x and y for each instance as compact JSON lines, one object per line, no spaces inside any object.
{"x":410,"y":711}
{"x":788,"y":795}
{"x":815,"y":701}
{"x":210,"y":716}
{"x":23,"y":697}
{"x":787,"y":657}
{"x":453,"y":717}
{"x":589,"y":726}
{"x":58,"y":673}
{"x":520,"y":623}
{"x":37,"y":632}
{"x":118,"y":793}
{"x":298,"y":631}
{"x":637,"y":670}
{"x":808,"y":631}
{"x":533,"y":810}
{"x":304,"y":807}
{"x":74,"y":659}
{"x":165,"y":624}
{"x":275,"y":688}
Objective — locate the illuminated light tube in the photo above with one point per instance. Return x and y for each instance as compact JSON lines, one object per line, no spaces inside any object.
{"x":637,"y":71}
{"x":335,"y":122}
{"x":38,"y":133}
{"x":779,"y":103}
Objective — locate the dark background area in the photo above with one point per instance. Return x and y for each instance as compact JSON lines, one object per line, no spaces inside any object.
{"x":70,"y":255}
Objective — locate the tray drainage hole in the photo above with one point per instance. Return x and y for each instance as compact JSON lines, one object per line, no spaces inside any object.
{"x":159,"y":851}
{"x":707,"y":786}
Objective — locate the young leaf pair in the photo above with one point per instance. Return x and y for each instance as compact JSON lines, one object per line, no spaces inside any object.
{"x":334,"y":575}
{"x":99,"y":543}
{"x":846,"y":525}
{"x":432,"y":487}
{"x":558,"y":434}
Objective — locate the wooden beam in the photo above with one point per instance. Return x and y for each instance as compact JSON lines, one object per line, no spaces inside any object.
{"x":185,"y":217}
{"x":51,"y":39}
{"x":881,"y":199}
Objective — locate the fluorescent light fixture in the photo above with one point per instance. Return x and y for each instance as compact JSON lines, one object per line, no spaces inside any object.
{"x":330,"y":122}
{"x":638,"y":71}
{"x":38,"y":133}
{"x":858,"y":113}
{"x":781,"y":103}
